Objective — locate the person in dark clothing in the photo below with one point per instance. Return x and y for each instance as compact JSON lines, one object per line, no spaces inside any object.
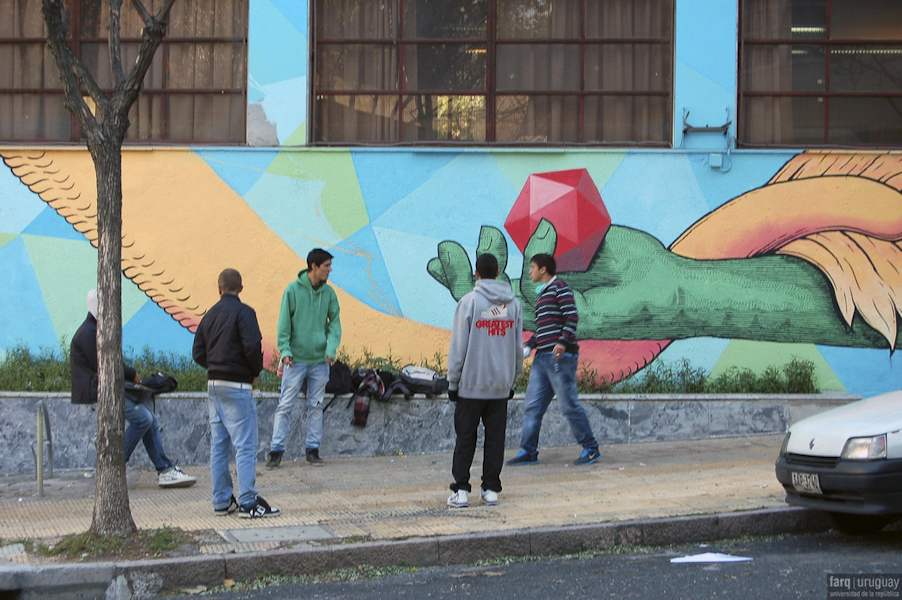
{"x":228,"y":345}
{"x":484,"y":361}
{"x":142,"y":422}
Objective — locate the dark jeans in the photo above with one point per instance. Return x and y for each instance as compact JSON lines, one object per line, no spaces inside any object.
{"x":143,"y":426}
{"x":467,"y":414}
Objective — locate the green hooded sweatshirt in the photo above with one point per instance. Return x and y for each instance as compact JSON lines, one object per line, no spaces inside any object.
{"x":309,"y":324}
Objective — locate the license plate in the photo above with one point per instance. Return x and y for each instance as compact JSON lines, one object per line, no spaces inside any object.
{"x":807,"y":483}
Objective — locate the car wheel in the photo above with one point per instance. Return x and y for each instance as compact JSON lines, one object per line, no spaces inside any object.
{"x":859,"y":524}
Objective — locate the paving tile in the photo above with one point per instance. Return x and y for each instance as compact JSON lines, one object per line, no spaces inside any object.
{"x":403,"y":497}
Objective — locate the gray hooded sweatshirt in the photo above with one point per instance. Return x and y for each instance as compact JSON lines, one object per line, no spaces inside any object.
{"x":486,"y":354}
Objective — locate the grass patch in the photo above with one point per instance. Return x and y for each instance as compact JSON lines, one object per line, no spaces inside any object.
{"x":795,"y":377}
{"x":48,"y":371}
{"x":83,"y":547}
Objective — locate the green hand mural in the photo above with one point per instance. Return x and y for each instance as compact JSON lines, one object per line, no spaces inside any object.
{"x":636,"y":289}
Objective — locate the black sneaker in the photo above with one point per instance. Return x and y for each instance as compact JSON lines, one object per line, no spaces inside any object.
{"x":523,"y":458}
{"x":224,"y":512}
{"x":258,"y":511}
{"x":589,"y":456}
{"x":275,"y":458}
{"x":314,"y":459}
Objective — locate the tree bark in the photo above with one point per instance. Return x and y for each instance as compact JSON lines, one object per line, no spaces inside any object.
{"x":112,"y":513}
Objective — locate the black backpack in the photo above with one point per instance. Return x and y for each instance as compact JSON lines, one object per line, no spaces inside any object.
{"x":339,"y":379}
{"x":158,"y":383}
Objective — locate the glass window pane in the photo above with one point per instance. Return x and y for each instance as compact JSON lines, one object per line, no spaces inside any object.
{"x":444,"y":67}
{"x":784,"y":19}
{"x":444,"y":118}
{"x":360,"y":118}
{"x":21,"y":19}
{"x":628,"y":67}
{"x":784,"y":120}
{"x":866,"y":68}
{"x":212,"y":118}
{"x":624,"y":119}
{"x":445,"y":19}
{"x":867,"y":121}
{"x":871,"y":20}
{"x":146,"y":116}
{"x":28,"y":66}
{"x":357,"y":67}
{"x":538,"y":19}
{"x":784,"y":68}
{"x":537,"y":67}
{"x":32,"y":117}
{"x":625,"y":19}
{"x":537,"y":119}
{"x":357,"y":19}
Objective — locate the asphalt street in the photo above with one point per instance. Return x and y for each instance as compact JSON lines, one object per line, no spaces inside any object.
{"x":781,"y":567}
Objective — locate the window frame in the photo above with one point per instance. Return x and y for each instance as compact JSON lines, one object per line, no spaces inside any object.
{"x":76,"y":40}
{"x":826,"y":43}
{"x":491,"y":92}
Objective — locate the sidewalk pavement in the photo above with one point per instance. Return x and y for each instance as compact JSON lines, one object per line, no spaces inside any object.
{"x":393,"y":508}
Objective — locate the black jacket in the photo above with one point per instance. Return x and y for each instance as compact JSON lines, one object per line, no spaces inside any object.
{"x":228,"y":341}
{"x":83,"y":363}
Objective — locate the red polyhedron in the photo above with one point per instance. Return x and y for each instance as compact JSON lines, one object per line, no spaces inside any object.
{"x":571,"y":202}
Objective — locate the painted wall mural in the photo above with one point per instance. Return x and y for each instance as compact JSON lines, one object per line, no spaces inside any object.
{"x":812,"y":257}
{"x":788,"y":254}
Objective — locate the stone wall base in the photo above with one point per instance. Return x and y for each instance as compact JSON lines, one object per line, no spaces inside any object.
{"x":419,"y":425}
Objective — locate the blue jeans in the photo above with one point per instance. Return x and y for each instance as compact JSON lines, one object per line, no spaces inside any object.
{"x":317,"y":376}
{"x":547,"y":378}
{"x":233,"y":422}
{"x":144,"y":426}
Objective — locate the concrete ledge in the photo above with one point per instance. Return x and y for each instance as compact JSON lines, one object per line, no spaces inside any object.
{"x":408,"y":426}
{"x":419,"y":552}
{"x":151,"y":576}
{"x":466,"y":549}
{"x":147,"y":579}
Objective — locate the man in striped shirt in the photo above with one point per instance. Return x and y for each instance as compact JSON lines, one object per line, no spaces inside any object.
{"x":554,"y":367}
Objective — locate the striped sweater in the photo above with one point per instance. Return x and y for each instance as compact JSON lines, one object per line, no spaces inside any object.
{"x":556,"y":318}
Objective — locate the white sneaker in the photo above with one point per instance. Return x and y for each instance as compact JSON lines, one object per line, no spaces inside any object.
{"x":458,"y":499}
{"x":489,"y":497}
{"x":176,"y":478}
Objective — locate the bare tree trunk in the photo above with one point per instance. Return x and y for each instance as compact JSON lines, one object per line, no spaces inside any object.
{"x":105,"y":125}
{"x":112,"y":514}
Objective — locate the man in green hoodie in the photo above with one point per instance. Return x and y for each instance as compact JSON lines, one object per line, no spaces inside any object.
{"x":308,"y":337}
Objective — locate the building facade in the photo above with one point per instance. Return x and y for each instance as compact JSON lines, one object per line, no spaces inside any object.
{"x":748,"y":155}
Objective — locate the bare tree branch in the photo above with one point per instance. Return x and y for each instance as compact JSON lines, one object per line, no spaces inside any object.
{"x":145,"y":14}
{"x":72,"y":71}
{"x":151,"y":38}
{"x":114,"y":39}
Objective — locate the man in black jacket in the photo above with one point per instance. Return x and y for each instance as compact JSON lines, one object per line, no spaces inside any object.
{"x":142,"y":422}
{"x":228,"y":345}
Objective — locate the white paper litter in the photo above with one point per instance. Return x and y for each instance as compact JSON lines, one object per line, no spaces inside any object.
{"x":709,"y":557}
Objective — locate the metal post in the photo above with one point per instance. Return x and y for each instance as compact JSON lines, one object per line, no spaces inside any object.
{"x":40,"y":449}
{"x":49,"y":440}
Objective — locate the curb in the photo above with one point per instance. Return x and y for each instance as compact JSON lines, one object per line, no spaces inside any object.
{"x":146,"y":579}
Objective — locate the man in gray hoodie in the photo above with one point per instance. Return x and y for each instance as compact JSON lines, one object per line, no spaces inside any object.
{"x":484,"y":361}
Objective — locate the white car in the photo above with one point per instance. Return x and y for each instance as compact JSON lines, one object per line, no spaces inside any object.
{"x":847,"y":461}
